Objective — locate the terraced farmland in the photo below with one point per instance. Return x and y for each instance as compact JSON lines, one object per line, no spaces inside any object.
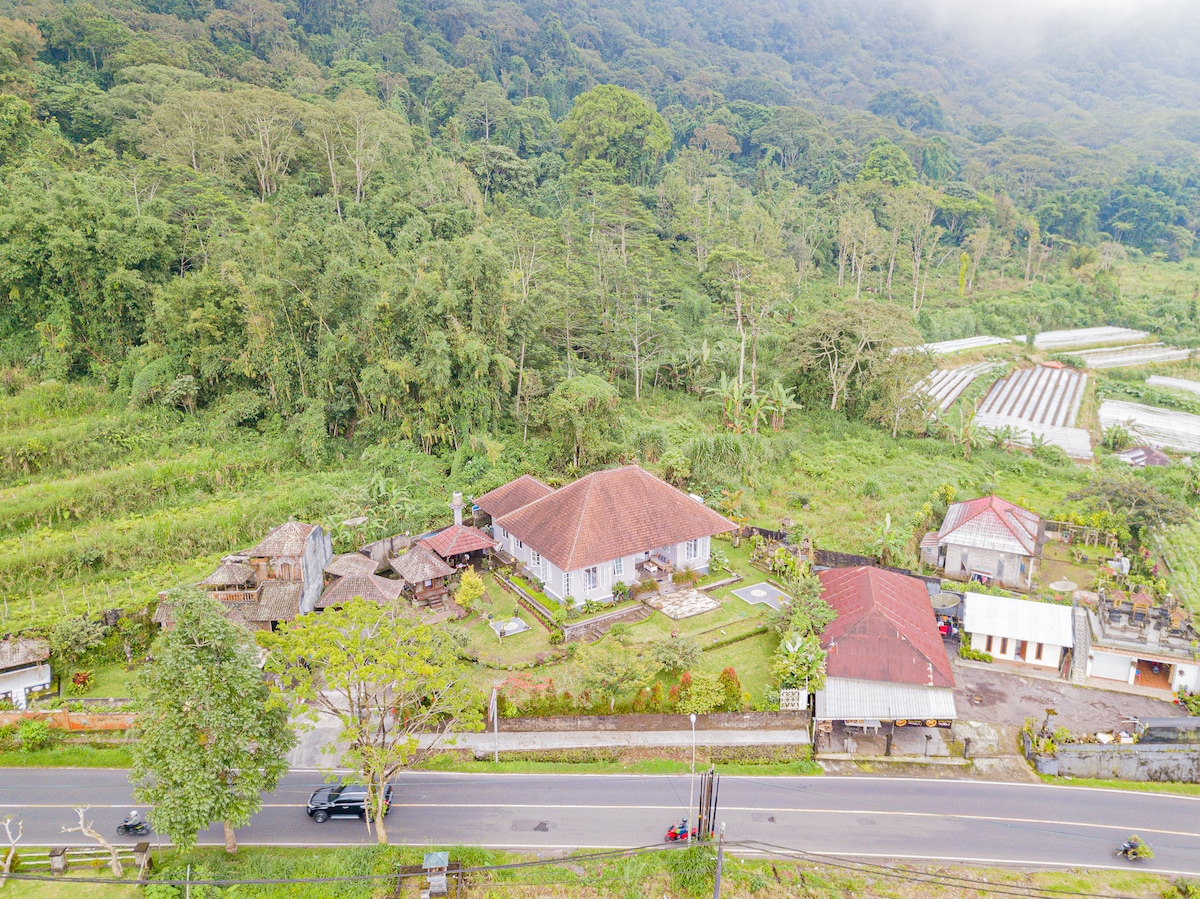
{"x":1163,"y":428}
{"x":1180,"y":546}
{"x":946,"y":347}
{"x":947,"y":384}
{"x":1039,"y":402}
{"x":1174,"y":383}
{"x":1084,"y":337}
{"x":1135,"y":354}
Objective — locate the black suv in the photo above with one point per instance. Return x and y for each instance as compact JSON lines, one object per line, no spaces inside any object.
{"x":343,"y":801}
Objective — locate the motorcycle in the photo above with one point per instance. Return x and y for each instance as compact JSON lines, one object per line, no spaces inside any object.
{"x":680,"y":832}
{"x":139,"y":828}
{"x":1134,"y":850}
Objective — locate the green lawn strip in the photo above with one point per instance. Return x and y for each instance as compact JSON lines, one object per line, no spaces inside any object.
{"x":68,"y":757}
{"x":30,"y":889}
{"x":1137,"y":786}
{"x":108,"y":682}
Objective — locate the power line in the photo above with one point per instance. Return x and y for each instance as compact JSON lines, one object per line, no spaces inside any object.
{"x":888,"y":871}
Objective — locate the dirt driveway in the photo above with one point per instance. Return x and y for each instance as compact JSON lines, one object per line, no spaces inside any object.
{"x":996,"y":697}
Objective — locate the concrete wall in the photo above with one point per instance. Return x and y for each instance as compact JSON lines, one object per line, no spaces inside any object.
{"x":317,"y":553}
{"x":1186,"y":677}
{"x":64,"y":720}
{"x":1051,"y":654}
{"x":1017,"y":570}
{"x":1138,"y":761}
{"x":714,"y":721}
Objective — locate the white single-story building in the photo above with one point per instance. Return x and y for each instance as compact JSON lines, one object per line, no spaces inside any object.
{"x":23,"y":669}
{"x":618,"y":526}
{"x":1018,"y":630}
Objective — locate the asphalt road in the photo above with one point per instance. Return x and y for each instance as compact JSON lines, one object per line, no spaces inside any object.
{"x":954,"y":821}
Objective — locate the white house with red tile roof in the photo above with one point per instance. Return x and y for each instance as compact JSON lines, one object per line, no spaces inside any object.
{"x":610,"y":527}
{"x":989,"y":540}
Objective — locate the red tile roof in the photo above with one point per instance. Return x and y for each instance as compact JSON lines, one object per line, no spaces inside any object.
{"x":991,"y":523}
{"x":608,"y":515}
{"x":513,"y":495}
{"x":288,"y":539}
{"x":458,"y":539}
{"x":885,"y":629}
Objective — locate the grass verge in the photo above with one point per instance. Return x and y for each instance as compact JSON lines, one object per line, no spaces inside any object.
{"x":1137,"y":786}
{"x":68,"y":757}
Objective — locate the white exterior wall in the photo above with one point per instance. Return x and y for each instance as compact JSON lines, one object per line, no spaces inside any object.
{"x":1018,"y":570}
{"x":1186,"y":677}
{"x":18,"y":682}
{"x":1114,"y":661}
{"x":1051,"y":653}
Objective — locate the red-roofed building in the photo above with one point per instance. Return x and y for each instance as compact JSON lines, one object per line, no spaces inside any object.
{"x":459,"y":540}
{"x":989,"y":540}
{"x":609,"y":527}
{"x":886,"y":660}
{"x":512,"y":496}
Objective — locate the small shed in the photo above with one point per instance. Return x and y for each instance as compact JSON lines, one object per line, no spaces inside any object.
{"x":435,"y":865}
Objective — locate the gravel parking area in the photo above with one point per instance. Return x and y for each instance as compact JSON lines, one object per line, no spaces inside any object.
{"x":996,"y":697}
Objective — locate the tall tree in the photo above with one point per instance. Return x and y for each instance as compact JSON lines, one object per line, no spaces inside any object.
{"x":210,"y":739}
{"x":385,"y":676}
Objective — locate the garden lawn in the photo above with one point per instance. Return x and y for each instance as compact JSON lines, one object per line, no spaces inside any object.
{"x":516,"y":649}
{"x":108,"y":682}
{"x":67,"y":757}
{"x":18,"y":889}
{"x":750,"y":658}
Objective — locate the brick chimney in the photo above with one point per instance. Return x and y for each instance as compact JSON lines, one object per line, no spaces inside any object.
{"x":457,"y":506}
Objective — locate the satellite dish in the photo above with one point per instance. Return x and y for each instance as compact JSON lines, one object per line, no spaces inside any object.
{"x":945,"y":600}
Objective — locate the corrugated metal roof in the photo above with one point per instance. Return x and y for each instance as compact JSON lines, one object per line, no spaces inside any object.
{"x":885,"y":629}
{"x":844,"y":698}
{"x":991,"y":523}
{"x":1018,"y":619}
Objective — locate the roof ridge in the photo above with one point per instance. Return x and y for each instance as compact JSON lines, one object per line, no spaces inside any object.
{"x":587,"y":498}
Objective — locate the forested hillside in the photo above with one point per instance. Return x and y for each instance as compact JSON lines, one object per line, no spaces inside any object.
{"x":500,"y":229}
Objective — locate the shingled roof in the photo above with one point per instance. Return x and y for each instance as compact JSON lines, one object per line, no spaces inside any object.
{"x":377,"y":589}
{"x":230,"y":574}
{"x":288,"y":539}
{"x":458,"y":539}
{"x":18,"y":651}
{"x":608,"y":515}
{"x":992,"y":523}
{"x":420,"y":564}
{"x":885,"y":629}
{"x":513,"y":496}
{"x":346,"y":564}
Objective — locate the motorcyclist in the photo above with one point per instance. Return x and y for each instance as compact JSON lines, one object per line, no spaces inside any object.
{"x":133,"y":820}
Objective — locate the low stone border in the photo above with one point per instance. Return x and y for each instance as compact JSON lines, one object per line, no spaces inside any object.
{"x":671,"y":722}
{"x":62,"y":719}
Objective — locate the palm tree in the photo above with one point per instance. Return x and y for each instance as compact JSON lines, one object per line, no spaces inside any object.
{"x":732,"y":394}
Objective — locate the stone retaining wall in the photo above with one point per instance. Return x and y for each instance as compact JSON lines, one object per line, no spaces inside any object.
{"x":715,"y":721}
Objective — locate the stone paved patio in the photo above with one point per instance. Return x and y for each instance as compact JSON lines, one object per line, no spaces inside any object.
{"x":684,"y":603}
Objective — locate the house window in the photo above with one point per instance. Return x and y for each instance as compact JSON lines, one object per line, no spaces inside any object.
{"x":690,"y":550}
{"x":566,"y":584}
{"x":1037,"y":652}
{"x":503,"y":533}
{"x":619,"y":568}
{"x":591,"y":578}
{"x":520,"y":545}
{"x":999,"y":569}
{"x":535,"y":560}
{"x":963,"y":561}
{"x":1003,"y":645}
{"x":988,"y":647}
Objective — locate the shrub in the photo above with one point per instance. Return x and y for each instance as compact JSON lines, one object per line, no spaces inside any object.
{"x":8,"y":738}
{"x":692,"y":870}
{"x":703,"y":694}
{"x":686,"y":576}
{"x":732,"y":687}
{"x":966,"y":652}
{"x":81,"y":682}
{"x":675,"y":653}
{"x":870,"y":489}
{"x":35,"y":735}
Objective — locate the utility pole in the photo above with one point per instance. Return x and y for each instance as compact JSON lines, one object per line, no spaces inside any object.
{"x":720,"y":862}
{"x":691,"y":784}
